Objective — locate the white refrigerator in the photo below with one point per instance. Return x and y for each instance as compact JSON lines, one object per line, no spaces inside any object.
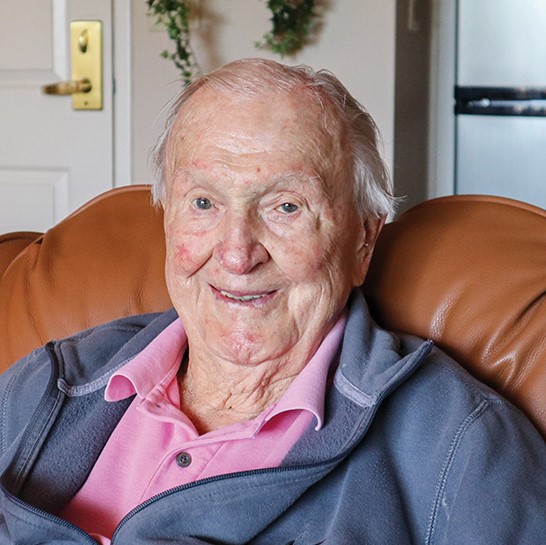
{"x":500,"y":99}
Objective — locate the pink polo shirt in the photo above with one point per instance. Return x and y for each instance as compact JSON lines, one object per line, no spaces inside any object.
{"x":156,"y":447}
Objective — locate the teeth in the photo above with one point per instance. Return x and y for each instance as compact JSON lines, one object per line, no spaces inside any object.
{"x":242,"y":297}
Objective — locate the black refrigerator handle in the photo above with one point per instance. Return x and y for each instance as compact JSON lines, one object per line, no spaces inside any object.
{"x":508,"y":101}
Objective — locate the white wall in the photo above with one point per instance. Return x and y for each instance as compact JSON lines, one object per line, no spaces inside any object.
{"x":357,"y":43}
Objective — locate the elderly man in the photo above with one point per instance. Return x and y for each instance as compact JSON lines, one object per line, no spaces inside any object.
{"x":267,"y":407}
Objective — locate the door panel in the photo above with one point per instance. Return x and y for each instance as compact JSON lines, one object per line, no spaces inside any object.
{"x":33,"y":43}
{"x":45,"y":196}
{"x":52,"y":158}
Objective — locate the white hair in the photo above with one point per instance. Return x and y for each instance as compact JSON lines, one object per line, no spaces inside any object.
{"x":373,"y":191}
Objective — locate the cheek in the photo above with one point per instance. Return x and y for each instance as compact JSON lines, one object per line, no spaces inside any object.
{"x":185,"y":259}
{"x":325,"y":261}
{"x":302,"y":262}
{"x":185,"y":253}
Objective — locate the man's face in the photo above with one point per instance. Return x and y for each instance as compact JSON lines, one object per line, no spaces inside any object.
{"x":263,"y":240}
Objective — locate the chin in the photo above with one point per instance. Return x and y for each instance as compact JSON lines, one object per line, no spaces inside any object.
{"x":241,"y":349}
{"x":246,"y":348}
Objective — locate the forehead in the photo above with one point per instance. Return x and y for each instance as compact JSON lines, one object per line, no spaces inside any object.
{"x":294,"y":124}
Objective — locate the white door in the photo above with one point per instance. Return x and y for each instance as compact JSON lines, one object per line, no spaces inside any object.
{"x":52,"y":158}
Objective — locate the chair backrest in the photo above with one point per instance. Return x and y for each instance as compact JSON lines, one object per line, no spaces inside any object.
{"x":104,"y":261}
{"x":468,"y":272}
{"x":12,"y":244}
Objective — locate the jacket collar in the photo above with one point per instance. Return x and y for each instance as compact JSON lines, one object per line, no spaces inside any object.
{"x":93,"y":355}
{"x":373,"y":363}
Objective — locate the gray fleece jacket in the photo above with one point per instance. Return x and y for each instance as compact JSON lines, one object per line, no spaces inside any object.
{"x":413,"y":451}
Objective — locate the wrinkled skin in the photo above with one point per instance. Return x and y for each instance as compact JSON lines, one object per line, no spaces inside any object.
{"x":264,"y":243}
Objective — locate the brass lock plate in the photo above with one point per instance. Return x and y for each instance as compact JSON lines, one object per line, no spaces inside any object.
{"x":86,"y":50}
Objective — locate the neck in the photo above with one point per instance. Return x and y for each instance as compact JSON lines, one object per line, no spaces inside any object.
{"x":214,"y":395}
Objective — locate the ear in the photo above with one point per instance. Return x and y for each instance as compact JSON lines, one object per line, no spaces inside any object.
{"x":370,"y":232}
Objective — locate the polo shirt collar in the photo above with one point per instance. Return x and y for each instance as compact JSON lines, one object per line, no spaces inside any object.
{"x":157,"y":365}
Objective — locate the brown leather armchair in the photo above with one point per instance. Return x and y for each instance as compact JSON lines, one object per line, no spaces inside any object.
{"x":468,"y":272}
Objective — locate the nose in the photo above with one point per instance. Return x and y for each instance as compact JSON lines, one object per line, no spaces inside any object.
{"x":240,"y":249}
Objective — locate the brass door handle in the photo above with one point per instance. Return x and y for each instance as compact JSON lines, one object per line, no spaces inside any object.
{"x":68,"y":87}
{"x":85,"y":85}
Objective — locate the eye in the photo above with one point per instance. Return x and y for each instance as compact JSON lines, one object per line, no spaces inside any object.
{"x":202,"y":203}
{"x":288,"y":208}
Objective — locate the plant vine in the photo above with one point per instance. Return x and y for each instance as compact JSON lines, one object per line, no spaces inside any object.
{"x":293,"y":21}
{"x":175,"y":16}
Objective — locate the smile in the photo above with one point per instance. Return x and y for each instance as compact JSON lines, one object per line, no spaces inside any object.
{"x":243,"y":298}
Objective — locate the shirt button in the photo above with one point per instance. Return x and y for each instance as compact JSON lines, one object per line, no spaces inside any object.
{"x":183,"y":459}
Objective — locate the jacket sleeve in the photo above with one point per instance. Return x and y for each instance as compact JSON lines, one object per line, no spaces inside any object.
{"x":492,"y":489}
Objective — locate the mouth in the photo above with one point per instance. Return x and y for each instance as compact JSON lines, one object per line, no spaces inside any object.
{"x":239,"y":297}
{"x":243,"y":298}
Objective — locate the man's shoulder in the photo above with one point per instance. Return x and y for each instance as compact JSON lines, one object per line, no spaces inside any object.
{"x":94,"y":351}
{"x":79,"y":364}
{"x":444,"y":399}
{"x":104,"y":348}
{"x":443,"y":376}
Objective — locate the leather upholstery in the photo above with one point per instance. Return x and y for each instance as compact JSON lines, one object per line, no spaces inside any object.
{"x":11,"y":244}
{"x":468,"y":272}
{"x":104,"y":261}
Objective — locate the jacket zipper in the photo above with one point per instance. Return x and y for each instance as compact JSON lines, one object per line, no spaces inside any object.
{"x":53,"y":518}
{"x":50,"y":392}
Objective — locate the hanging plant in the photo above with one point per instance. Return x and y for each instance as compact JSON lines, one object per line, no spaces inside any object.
{"x":293,"y":21}
{"x":175,"y":16}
